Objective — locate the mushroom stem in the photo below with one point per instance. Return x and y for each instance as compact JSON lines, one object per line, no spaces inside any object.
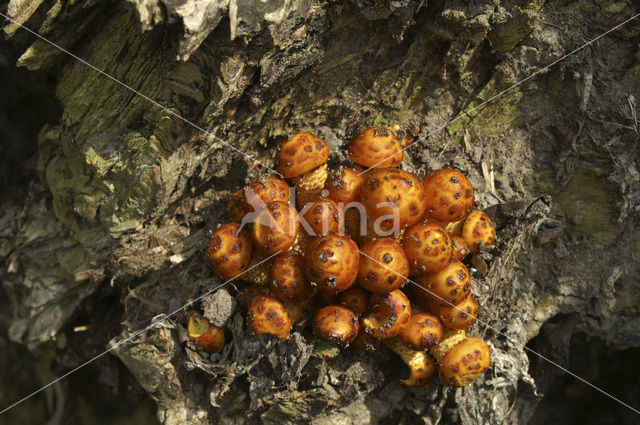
{"x":309,"y":185}
{"x":422,"y":365}
{"x":449,"y":340}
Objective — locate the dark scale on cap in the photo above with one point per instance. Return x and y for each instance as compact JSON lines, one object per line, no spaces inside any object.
{"x":387,"y":258}
{"x":320,"y":145}
{"x":461,"y":274}
{"x":381,"y":132}
{"x":469,"y":193}
{"x":372,"y":276}
{"x":339,"y":243}
{"x":454,"y":179}
{"x":408,"y":182}
{"x":451,"y":281}
{"x":373,"y":184}
{"x":308,"y":148}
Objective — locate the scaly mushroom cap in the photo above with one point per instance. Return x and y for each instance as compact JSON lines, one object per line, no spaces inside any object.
{"x":203,"y":334}
{"x":331,"y":262}
{"x":388,"y":314}
{"x":267,"y":315}
{"x":462,"y":315}
{"x":376,"y":145}
{"x":478,"y":231}
{"x":229,"y":251}
{"x":449,"y":194}
{"x":460,"y":248}
{"x":287,"y":278}
{"x":276,"y":226}
{"x":465,"y":362}
{"x":428,"y":248}
{"x":300,"y":154}
{"x":365,"y":341}
{"x":355,"y":299}
{"x":337,"y":324}
{"x":343,"y":185}
{"x":449,"y":285}
{"x":422,"y":332}
{"x":323,"y":216}
{"x":236,"y":207}
{"x":263,"y":190}
{"x":383,"y":266}
{"x":389,"y":190}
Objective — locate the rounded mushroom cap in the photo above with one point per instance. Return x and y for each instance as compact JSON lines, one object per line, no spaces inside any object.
{"x":449,"y":194}
{"x":343,"y":185}
{"x":478,"y":231}
{"x":265,"y":189}
{"x":449,"y":285}
{"x":376,"y":147}
{"x":267,"y":315}
{"x":383,"y":266}
{"x":287,"y":278}
{"x":337,"y":324}
{"x":366,"y":342}
{"x":394,"y":193}
{"x":462,"y":315}
{"x":465,"y":362}
{"x":276,"y":227}
{"x":331,"y":261}
{"x":355,"y":299}
{"x":229,"y":251}
{"x":323,"y":216}
{"x":460,"y":248}
{"x":423,"y":331}
{"x":388,"y":314}
{"x":236,"y":207}
{"x":203,"y":334}
{"x":301,"y":153}
{"x":428,"y":248}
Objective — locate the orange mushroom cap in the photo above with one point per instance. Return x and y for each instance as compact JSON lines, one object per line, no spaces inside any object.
{"x":423,"y":331}
{"x":301,"y":153}
{"x":459,"y":316}
{"x":478,"y":231}
{"x":449,"y":285}
{"x":388,"y":314}
{"x":376,"y":147}
{"x":323,"y":216}
{"x":276,"y":227}
{"x":465,"y":362}
{"x":287,"y":278}
{"x":265,"y":189}
{"x":355,"y":299}
{"x":428,"y":248}
{"x":267,"y":315}
{"x":383,"y":266}
{"x":449,"y":194}
{"x":331,"y":262}
{"x":337,"y":324}
{"x":236,"y":207}
{"x":343,"y":185}
{"x":460,"y":248}
{"x":229,"y":251}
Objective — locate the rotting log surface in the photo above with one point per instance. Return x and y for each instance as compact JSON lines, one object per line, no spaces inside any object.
{"x":124,"y":193}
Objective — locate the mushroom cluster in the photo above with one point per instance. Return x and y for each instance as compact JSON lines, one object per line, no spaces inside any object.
{"x":371,"y":253}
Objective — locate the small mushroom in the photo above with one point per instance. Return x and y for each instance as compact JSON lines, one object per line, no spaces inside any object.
{"x":388,"y":314}
{"x":204,"y":335}
{"x":337,"y":324}
{"x":459,"y":316}
{"x":460,"y":248}
{"x":428,"y":248}
{"x":383,"y":266}
{"x":394,"y":196}
{"x":287,"y":278}
{"x":449,"y":285}
{"x":376,"y":147}
{"x":263,"y":190}
{"x":303,"y":157}
{"x":276,"y":226}
{"x":267,"y":315}
{"x":422,"y":365}
{"x":423,"y":331}
{"x":236,"y":207}
{"x":331,"y":262}
{"x":449,"y":193}
{"x":229,"y":251}
{"x":464,"y":362}
{"x":323,"y":216}
{"x":478,"y":231}
{"x":355,"y":299}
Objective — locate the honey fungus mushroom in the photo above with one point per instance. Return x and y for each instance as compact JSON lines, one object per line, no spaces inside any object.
{"x":323,"y":216}
{"x":229,"y":251}
{"x":276,"y":226}
{"x":459,"y":316}
{"x":376,"y":147}
{"x":337,"y":324}
{"x":464,"y":362}
{"x":422,"y":332}
{"x":355,"y":299}
{"x":388,"y":314}
{"x":478,"y":231}
{"x":449,"y":285}
{"x":331,"y":262}
{"x":449,"y":194}
{"x":267,"y":315}
{"x":263,"y":190}
{"x":391,"y":194}
{"x":203,"y":334}
{"x":303,"y":157}
{"x":287,"y":278}
{"x":383,"y":266}
{"x":460,"y":248}
{"x":236,"y":206}
{"x":428,"y":248}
